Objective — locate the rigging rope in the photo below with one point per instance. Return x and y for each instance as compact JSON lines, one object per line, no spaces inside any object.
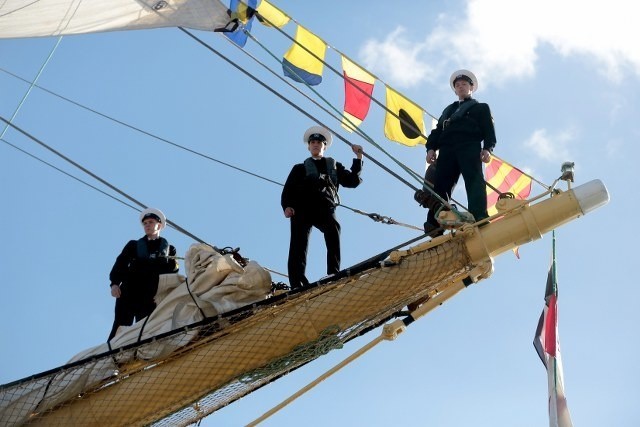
{"x":68,"y":174}
{"x":318,"y":380}
{"x":390,"y":332}
{"x":96,"y":177}
{"x":357,"y":129}
{"x":338,"y":115}
{"x":31,"y":85}
{"x":292,"y":104}
{"x":384,"y":107}
{"x":382,"y":219}
{"x":375,"y":217}
{"x":176,"y":145}
{"x":286,"y":100}
{"x":137,"y":129}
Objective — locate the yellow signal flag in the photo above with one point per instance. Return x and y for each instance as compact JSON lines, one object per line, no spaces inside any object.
{"x":271,"y":16}
{"x":404,"y":121}
{"x":301,"y":63}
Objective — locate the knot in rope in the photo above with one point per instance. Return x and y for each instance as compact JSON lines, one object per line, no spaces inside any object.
{"x":235,"y":253}
{"x":380,"y":218}
{"x":506,"y":196}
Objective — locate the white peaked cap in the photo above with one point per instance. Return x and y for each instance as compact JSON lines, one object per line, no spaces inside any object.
{"x":328,"y":137}
{"x":465,"y":73}
{"x":156,"y":212}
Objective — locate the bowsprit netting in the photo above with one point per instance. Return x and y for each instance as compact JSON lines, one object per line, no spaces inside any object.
{"x":220,"y":359}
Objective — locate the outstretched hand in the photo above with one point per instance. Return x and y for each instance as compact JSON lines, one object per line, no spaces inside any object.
{"x":357,"y":150}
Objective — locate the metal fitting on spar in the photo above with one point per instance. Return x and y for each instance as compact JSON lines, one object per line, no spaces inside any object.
{"x":591,"y":195}
{"x":530,"y":222}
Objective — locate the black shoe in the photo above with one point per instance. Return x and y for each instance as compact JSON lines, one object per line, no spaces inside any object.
{"x":296,"y":285}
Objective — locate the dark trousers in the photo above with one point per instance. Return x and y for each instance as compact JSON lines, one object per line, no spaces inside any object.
{"x":129,"y":308}
{"x":301,"y":224}
{"x":462,"y":158}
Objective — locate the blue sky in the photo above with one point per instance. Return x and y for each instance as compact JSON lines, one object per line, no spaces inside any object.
{"x":562,"y":81}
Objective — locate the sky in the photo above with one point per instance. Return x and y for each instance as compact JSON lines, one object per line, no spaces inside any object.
{"x":562,"y":80}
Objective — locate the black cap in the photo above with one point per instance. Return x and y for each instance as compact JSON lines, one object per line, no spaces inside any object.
{"x":151,"y":215}
{"x":316,"y":137}
{"x":463,"y":77}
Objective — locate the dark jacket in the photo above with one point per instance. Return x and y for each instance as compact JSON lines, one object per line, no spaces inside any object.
{"x":137,"y":268}
{"x":310,"y":192}
{"x":475,"y":125}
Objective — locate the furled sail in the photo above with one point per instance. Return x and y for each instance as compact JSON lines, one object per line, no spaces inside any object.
{"x":42,"y":18}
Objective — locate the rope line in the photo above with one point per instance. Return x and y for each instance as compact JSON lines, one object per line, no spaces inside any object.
{"x":384,"y":107}
{"x":357,"y":129}
{"x":31,"y":86}
{"x":317,"y":381}
{"x":69,"y":175}
{"x":375,"y":217}
{"x":338,"y":114}
{"x":291,"y":103}
{"x":96,"y":177}
{"x":142,"y":131}
{"x":154,"y":136}
{"x":329,"y":66}
{"x":382,"y":219}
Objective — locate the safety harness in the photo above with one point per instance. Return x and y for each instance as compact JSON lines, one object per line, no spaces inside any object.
{"x":331,"y":187}
{"x":459,"y":113}
{"x":143,"y":250}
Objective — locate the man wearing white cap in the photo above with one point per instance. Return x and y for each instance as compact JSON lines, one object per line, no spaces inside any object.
{"x":134,"y":276}
{"x":309,"y":199}
{"x":464,"y":138}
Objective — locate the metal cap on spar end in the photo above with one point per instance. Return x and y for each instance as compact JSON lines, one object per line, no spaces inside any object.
{"x":533,"y":220}
{"x":591,"y":195}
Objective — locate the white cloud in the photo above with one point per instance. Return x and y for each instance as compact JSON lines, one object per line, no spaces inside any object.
{"x":502,"y":39}
{"x":551,"y":147}
{"x":396,"y":58}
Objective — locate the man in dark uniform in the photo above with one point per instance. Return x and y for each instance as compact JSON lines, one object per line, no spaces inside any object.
{"x":309,"y":199}
{"x":134,"y":276}
{"x":465,"y":137}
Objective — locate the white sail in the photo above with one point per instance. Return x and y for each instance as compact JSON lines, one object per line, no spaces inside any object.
{"x":42,"y":18}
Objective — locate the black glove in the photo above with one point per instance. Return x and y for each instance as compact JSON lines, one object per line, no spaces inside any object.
{"x":422,"y":197}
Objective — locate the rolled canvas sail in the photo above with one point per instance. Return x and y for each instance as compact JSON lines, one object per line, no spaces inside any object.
{"x":43,"y":18}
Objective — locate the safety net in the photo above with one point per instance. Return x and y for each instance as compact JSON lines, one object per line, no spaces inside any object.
{"x":183,"y":375}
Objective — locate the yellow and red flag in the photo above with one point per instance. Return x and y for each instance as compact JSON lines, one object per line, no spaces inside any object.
{"x":507,"y":179}
{"x":358,"y":87}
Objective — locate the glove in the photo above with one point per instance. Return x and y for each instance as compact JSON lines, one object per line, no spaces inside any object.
{"x":422,"y":197}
